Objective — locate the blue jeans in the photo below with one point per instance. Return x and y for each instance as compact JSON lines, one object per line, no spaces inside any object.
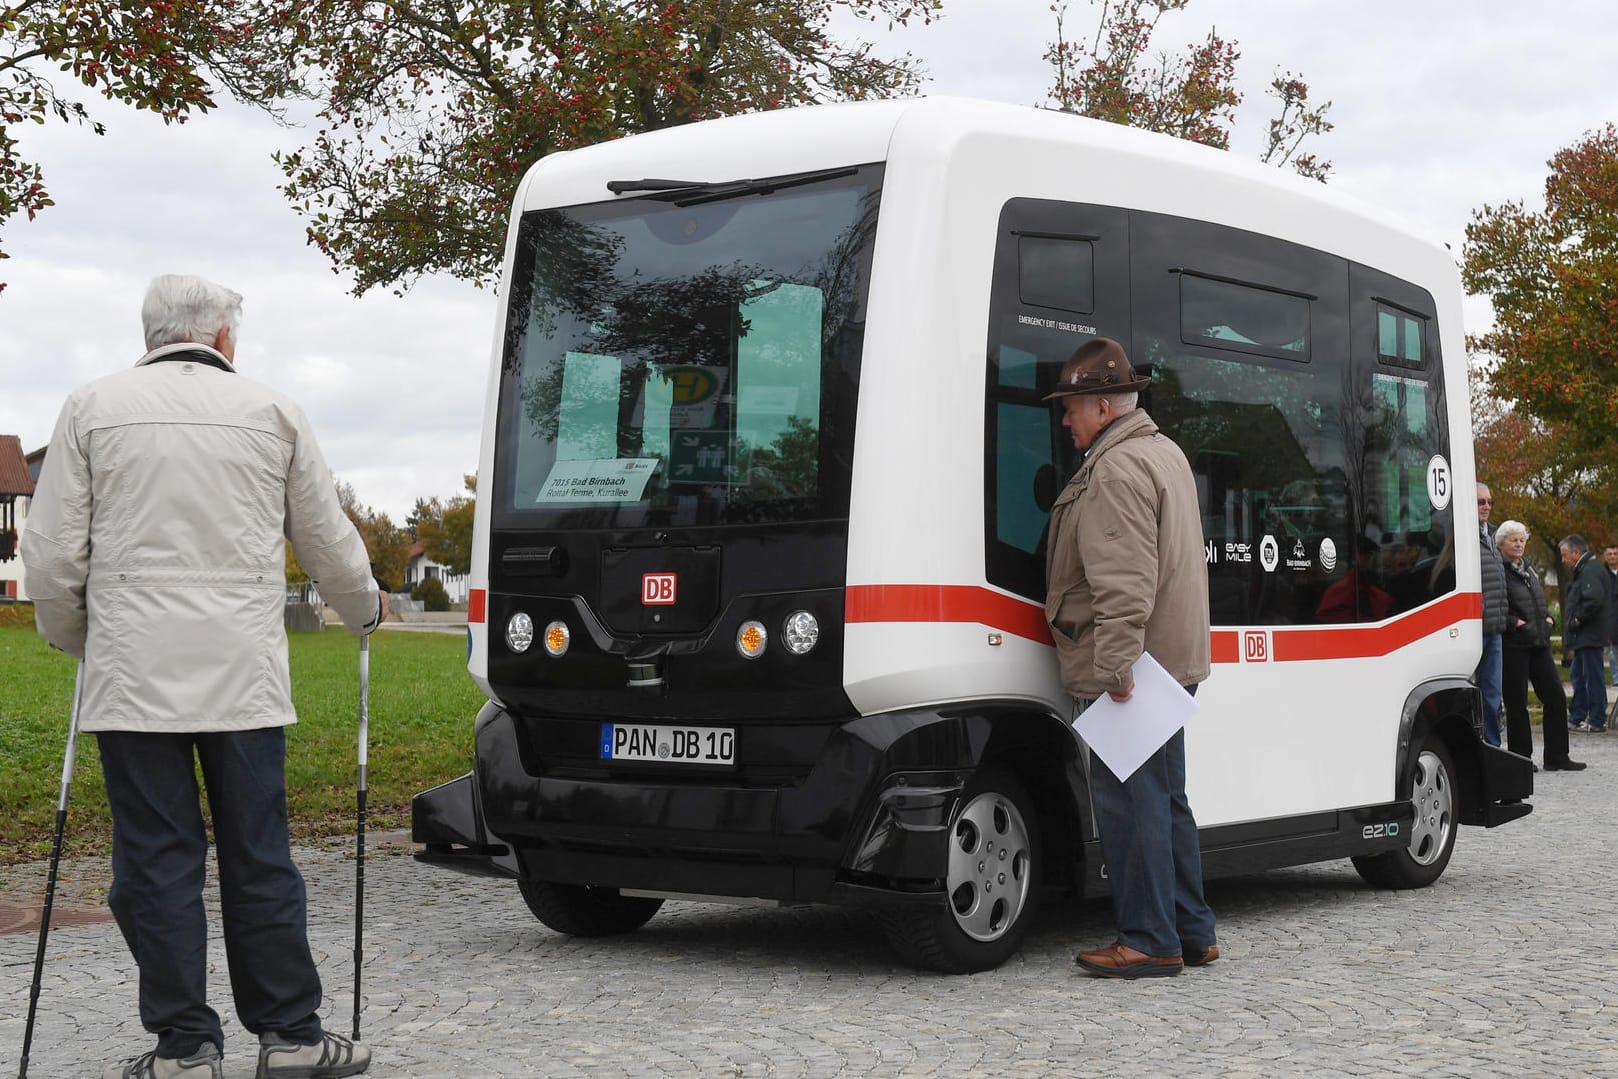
{"x":1612,"y":664}
{"x":159,"y":863}
{"x":1152,"y":854}
{"x":1589,"y":689}
{"x":1488,"y":679}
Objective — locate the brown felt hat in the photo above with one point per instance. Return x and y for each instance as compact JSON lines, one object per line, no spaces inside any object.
{"x":1099,"y":366}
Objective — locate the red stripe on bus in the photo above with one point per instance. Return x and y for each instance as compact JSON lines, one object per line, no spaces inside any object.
{"x":476,"y":605}
{"x":1361,"y":642}
{"x":945,"y":603}
{"x":970,"y":603}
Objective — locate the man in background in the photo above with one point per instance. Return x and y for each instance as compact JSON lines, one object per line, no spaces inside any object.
{"x":1496,"y":615}
{"x":1609,"y":557}
{"x":1584,"y":626}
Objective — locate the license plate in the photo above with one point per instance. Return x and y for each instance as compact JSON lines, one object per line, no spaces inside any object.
{"x":667,"y":745}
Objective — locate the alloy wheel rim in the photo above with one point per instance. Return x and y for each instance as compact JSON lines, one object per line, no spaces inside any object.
{"x":989,"y":861}
{"x":1434,"y":799}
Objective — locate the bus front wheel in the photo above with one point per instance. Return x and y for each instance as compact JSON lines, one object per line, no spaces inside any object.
{"x":992,"y":885}
{"x":580,"y":911}
{"x":1432,"y":835}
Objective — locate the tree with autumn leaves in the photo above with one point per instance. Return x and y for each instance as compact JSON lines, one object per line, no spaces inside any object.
{"x":430,"y":111}
{"x":1113,"y":77}
{"x":445,"y":528}
{"x":1535,"y":481}
{"x":164,"y":56}
{"x":387,"y":544}
{"x":1548,"y":408}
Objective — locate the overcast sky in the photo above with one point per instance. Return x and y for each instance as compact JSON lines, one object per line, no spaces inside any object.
{"x":1440,"y":106}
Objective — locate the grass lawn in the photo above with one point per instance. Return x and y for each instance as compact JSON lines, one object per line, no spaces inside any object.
{"x":422,"y":707}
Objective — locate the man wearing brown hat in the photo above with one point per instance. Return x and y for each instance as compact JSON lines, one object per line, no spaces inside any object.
{"x":1127,"y":574}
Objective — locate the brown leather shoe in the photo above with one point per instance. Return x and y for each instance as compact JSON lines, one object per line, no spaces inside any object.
{"x":1200,"y":957}
{"x":1122,"y":961}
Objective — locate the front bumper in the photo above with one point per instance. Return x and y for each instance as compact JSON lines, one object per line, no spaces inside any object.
{"x":867,"y":819}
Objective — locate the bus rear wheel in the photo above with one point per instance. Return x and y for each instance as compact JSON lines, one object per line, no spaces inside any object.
{"x":1432,"y":834}
{"x":581,"y":911}
{"x":991,"y":890}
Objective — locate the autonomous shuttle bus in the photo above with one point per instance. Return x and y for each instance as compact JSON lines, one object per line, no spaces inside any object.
{"x":758,"y":578}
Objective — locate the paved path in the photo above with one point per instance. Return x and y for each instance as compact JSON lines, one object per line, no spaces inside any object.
{"x":1507,"y":967}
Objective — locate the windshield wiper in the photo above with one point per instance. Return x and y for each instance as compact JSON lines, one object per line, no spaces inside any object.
{"x":691,"y":192}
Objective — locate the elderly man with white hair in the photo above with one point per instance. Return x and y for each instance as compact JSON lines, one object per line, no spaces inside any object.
{"x":156,"y":553}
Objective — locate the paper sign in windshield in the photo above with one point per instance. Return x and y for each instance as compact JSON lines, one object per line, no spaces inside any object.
{"x":612,"y":480}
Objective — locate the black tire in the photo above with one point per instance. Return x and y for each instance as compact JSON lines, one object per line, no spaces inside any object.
{"x":993,"y":885}
{"x":1432,"y":834}
{"x":580,"y":911}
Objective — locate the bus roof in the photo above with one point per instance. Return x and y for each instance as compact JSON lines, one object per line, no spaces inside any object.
{"x":1058,"y":154}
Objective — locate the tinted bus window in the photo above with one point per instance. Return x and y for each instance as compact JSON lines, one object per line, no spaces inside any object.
{"x":1269,"y":366}
{"x":1229,"y":315}
{"x":1056,"y":272}
{"x":678,"y":365}
{"x":1399,"y":337}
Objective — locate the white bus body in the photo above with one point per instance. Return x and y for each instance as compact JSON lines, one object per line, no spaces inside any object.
{"x":1306,"y":354}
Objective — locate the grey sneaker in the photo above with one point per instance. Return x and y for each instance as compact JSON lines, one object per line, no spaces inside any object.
{"x":332,"y":1056}
{"x":206,"y":1061}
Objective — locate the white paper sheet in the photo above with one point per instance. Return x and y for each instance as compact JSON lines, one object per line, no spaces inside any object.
{"x":1124,"y":735}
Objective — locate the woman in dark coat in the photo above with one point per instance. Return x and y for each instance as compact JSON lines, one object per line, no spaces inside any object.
{"x":1527,"y":657}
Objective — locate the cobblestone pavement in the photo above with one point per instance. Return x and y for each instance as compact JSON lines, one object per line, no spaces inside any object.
{"x":1506,"y":967}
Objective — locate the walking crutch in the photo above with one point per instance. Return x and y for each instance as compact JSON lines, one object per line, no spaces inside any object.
{"x":50,"y":880}
{"x":359,"y":830}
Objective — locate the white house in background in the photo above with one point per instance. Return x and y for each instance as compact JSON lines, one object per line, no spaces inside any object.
{"x":17,"y":476}
{"x":420,"y":567}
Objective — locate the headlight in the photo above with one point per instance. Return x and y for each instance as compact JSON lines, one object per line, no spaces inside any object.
{"x":557,"y":638}
{"x":800,"y":633}
{"x":750,"y":639}
{"x":519,"y":632}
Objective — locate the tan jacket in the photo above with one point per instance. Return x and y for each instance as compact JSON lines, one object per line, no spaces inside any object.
{"x":156,"y":542}
{"x":1126,"y":565}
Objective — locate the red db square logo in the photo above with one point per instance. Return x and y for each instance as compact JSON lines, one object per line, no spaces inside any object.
{"x":1255,"y":646}
{"x":657,"y":589}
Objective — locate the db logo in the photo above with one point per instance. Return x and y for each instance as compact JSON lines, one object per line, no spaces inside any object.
{"x":656,"y":589}
{"x":1255,"y":646}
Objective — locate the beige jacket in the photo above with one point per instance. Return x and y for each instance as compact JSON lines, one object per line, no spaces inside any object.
{"x":155,"y":545}
{"x":1126,"y":566}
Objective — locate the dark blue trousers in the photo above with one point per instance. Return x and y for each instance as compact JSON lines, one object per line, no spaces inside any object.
{"x":159,"y":864}
{"x":1589,"y":688}
{"x":1152,"y":854}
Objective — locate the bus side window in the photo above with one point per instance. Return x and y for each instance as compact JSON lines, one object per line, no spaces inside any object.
{"x":1400,"y":413}
{"x":1399,"y":337}
{"x":1244,"y":337}
{"x":1061,"y":278}
{"x":1227,"y":511}
{"x":1023,"y":436}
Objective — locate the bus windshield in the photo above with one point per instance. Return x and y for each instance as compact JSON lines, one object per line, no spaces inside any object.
{"x":674,"y":365}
